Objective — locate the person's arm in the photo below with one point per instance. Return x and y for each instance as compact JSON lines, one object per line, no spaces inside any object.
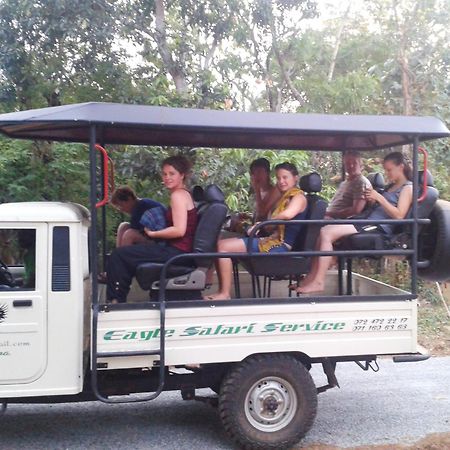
{"x":296,"y":206}
{"x":403,"y":205}
{"x":265,"y":206}
{"x":179,"y":203}
{"x":357,"y":206}
{"x":356,"y":188}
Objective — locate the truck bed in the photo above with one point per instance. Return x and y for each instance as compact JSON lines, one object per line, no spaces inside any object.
{"x":231,"y":331}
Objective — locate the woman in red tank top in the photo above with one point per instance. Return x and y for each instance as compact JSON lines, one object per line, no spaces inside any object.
{"x":181,"y":215}
{"x":176,"y":238}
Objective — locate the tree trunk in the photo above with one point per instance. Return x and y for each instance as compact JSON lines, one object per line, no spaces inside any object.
{"x":338,"y":42}
{"x":280,"y":58}
{"x":175,"y":71}
{"x":406,"y":75}
{"x":406,"y":84}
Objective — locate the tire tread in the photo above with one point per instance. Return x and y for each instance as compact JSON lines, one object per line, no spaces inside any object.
{"x":236,"y":377}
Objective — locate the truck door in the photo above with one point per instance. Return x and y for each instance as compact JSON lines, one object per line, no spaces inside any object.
{"x":23,"y":303}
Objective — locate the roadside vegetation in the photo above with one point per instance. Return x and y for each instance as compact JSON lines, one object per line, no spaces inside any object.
{"x":433,"y":316}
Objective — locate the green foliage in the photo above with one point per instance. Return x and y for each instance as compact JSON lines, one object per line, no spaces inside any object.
{"x":248,"y":55}
{"x":52,"y":48}
{"x":38,"y":171}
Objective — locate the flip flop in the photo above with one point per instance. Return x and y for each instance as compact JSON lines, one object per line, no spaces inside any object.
{"x":211,"y":297}
{"x":309,"y":294}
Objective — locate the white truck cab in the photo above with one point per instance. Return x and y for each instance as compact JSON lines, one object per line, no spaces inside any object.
{"x":60,"y":341}
{"x":42,"y":337}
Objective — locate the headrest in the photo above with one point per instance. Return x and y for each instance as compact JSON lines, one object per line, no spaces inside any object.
{"x":213,"y":194}
{"x":198,"y":194}
{"x":376,"y":180}
{"x":429,"y":178}
{"x":311,"y":182}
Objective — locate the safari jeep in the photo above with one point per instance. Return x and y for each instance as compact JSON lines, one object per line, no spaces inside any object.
{"x":60,"y":341}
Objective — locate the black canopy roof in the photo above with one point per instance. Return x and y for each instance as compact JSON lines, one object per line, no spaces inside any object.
{"x":155,"y":125}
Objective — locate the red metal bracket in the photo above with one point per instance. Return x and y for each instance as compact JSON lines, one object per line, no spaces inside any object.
{"x":425,"y":174}
{"x":105,"y":174}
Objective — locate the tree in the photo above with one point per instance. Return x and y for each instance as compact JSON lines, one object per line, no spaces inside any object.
{"x":384,"y":57}
{"x":180,"y":42}
{"x":418,"y":34}
{"x":54,"y":50}
{"x":27,"y":175}
{"x":266,"y":31}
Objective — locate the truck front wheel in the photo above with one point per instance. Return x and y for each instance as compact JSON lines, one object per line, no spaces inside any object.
{"x":268,"y":402}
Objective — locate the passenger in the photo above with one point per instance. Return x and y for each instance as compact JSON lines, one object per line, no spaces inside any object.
{"x":266,"y":195}
{"x":394,"y":203}
{"x":175,"y":239}
{"x":124,"y":199}
{"x":292,"y":205}
{"x":349,"y":199}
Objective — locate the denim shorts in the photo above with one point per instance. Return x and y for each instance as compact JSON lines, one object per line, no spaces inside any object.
{"x":255,"y":249}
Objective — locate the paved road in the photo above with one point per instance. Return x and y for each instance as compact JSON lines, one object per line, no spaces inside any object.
{"x":401,"y":403}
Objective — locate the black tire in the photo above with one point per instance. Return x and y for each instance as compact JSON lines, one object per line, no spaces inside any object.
{"x":434,"y":244}
{"x":268,"y":402}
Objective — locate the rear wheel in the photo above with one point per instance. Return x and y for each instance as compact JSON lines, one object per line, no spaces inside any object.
{"x":434,"y":244}
{"x":268,"y":402}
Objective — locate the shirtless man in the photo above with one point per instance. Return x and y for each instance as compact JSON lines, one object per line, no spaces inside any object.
{"x":266,"y":194}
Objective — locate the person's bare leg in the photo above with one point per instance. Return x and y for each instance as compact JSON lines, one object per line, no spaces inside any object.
{"x":124,"y":226}
{"x":132,"y":237}
{"x":225,"y":267}
{"x":210,"y":274}
{"x":328,"y":235}
{"x":314,"y":265}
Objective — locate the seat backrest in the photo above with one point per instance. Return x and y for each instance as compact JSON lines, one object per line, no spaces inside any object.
{"x":311,"y":183}
{"x":198,"y":195}
{"x":377,"y":181}
{"x":307,"y":237}
{"x":425,"y":206}
{"x":212,"y":214}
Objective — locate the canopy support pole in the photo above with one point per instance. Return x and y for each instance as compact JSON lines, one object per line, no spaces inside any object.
{"x":415,"y":225}
{"x":93,"y":200}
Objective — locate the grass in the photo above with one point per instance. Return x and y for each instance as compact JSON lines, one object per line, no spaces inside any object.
{"x":434,"y":326}
{"x":433,"y":320}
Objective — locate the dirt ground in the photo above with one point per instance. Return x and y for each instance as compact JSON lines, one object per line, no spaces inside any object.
{"x":434,"y":324}
{"x":434,"y":335}
{"x":431,"y":442}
